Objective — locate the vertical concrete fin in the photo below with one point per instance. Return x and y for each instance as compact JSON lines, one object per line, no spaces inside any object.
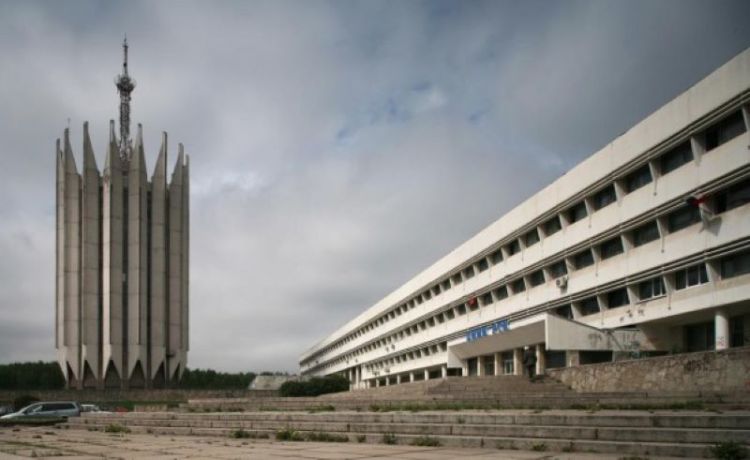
{"x":175,"y":351}
{"x":89,"y":160}
{"x":185,"y":252}
{"x":91,"y":267}
{"x":140,"y":153}
{"x":60,"y":255}
{"x":72,"y":264}
{"x":70,"y":161}
{"x":159,"y":278}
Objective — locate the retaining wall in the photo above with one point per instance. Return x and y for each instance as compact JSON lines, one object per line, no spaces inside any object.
{"x":725,"y":371}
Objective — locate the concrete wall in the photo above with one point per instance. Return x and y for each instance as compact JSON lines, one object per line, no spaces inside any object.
{"x":727,"y":370}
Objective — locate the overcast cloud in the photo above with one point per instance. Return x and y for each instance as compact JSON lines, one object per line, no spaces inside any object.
{"x":337,"y":148}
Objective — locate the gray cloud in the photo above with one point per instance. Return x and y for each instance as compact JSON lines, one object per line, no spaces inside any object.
{"x":337,"y":148}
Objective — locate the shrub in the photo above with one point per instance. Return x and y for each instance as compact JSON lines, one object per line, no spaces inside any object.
{"x":116,"y":428}
{"x":288,"y":434}
{"x":239,"y":434}
{"x":326,"y":408}
{"x":426,"y":441}
{"x":315,"y":386}
{"x":389,"y":438}
{"x":361,"y":438}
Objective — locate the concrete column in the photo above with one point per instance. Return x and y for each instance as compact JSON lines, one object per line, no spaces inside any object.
{"x":464,"y":368}
{"x":518,"y":361}
{"x":540,"y":364}
{"x":426,"y":374}
{"x":444,"y":371}
{"x":498,"y":364}
{"x":721,"y":324}
{"x":573,"y":358}
{"x":398,"y":379}
{"x":388,"y":380}
{"x":480,"y":368}
{"x":411,"y":376}
{"x":377,"y":382}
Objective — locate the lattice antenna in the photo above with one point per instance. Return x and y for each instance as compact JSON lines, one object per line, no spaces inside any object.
{"x":125,"y":86}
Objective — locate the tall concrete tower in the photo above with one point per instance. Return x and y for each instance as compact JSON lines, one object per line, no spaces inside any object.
{"x":122,"y":261}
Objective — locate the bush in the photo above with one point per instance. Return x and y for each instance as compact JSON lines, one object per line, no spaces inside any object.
{"x":208,"y":379}
{"x":327,"y":437}
{"x":116,"y":428}
{"x":23,"y":401}
{"x":288,"y":434}
{"x":315,"y":386}
{"x":426,"y":441}
{"x":389,"y":438}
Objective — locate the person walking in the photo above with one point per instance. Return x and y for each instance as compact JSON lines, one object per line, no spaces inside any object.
{"x":529,"y":362}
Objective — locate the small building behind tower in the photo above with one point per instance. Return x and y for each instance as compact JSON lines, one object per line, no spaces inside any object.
{"x":122,"y":265}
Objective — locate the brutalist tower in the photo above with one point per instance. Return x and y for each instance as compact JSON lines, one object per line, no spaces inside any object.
{"x":122,"y":269}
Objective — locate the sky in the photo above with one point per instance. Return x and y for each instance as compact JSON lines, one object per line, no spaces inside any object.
{"x":337,"y":148}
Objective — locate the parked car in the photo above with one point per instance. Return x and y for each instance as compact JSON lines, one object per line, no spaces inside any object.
{"x":47,"y":409}
{"x":93,"y":409}
{"x":5,"y":410}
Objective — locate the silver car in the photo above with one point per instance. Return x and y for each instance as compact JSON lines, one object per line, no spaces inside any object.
{"x":47,"y":409}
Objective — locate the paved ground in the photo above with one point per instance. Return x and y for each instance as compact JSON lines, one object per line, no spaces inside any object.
{"x":41,"y":442}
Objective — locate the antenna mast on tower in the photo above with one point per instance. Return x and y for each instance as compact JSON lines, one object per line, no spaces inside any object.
{"x":125,"y":86}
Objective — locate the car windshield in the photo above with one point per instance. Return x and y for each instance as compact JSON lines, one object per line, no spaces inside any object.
{"x":32,"y":409}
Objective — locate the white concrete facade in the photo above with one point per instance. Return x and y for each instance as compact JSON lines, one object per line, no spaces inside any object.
{"x":644,"y":246}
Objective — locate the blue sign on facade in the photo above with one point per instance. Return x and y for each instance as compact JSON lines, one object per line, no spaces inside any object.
{"x":483,"y":331}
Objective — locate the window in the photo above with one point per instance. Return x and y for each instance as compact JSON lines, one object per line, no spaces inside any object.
{"x":638,"y":178}
{"x":577,"y":212}
{"x":518,"y":286}
{"x":604,"y":197}
{"x":487,"y":299}
{"x":436,"y":289}
{"x":611,"y":248}
{"x":446,"y":284}
{"x":583,"y":259}
{"x":589,"y":306}
{"x":501,"y":292}
{"x":565,"y":312}
{"x":469,"y":272}
{"x":617,"y":298}
{"x":513,"y":247}
{"x":733,"y":197}
{"x":558,"y":269}
{"x":536,"y":278}
{"x":691,"y":276}
{"x":461,"y":309}
{"x":735,"y":265}
{"x":646,"y":233}
{"x":724,"y":131}
{"x":482,"y":265}
{"x":531,"y":237}
{"x":651,"y":288}
{"x":675,"y":158}
{"x":426,"y":295}
{"x":552,"y":226}
{"x":496,"y":257}
{"x":683,"y":217}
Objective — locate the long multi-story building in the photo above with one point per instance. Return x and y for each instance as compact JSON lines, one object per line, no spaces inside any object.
{"x":642,"y":248}
{"x":122,"y":261}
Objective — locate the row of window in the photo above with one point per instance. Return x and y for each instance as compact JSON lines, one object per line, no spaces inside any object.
{"x":714,"y":136}
{"x":728,"y":267}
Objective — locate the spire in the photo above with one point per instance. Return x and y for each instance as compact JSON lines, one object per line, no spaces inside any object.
{"x":125,"y":86}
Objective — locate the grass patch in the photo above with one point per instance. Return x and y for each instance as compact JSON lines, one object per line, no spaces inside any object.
{"x":289,"y":434}
{"x":730,"y":450}
{"x":389,"y":438}
{"x":116,"y":428}
{"x":326,"y":437}
{"x":361,"y":438}
{"x":325,"y":408}
{"x":243,"y":434}
{"x":541,"y":447}
{"x":426,"y":441}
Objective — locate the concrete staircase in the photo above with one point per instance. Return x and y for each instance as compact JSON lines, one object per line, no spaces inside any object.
{"x":479,"y":392}
{"x":636,"y":433}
